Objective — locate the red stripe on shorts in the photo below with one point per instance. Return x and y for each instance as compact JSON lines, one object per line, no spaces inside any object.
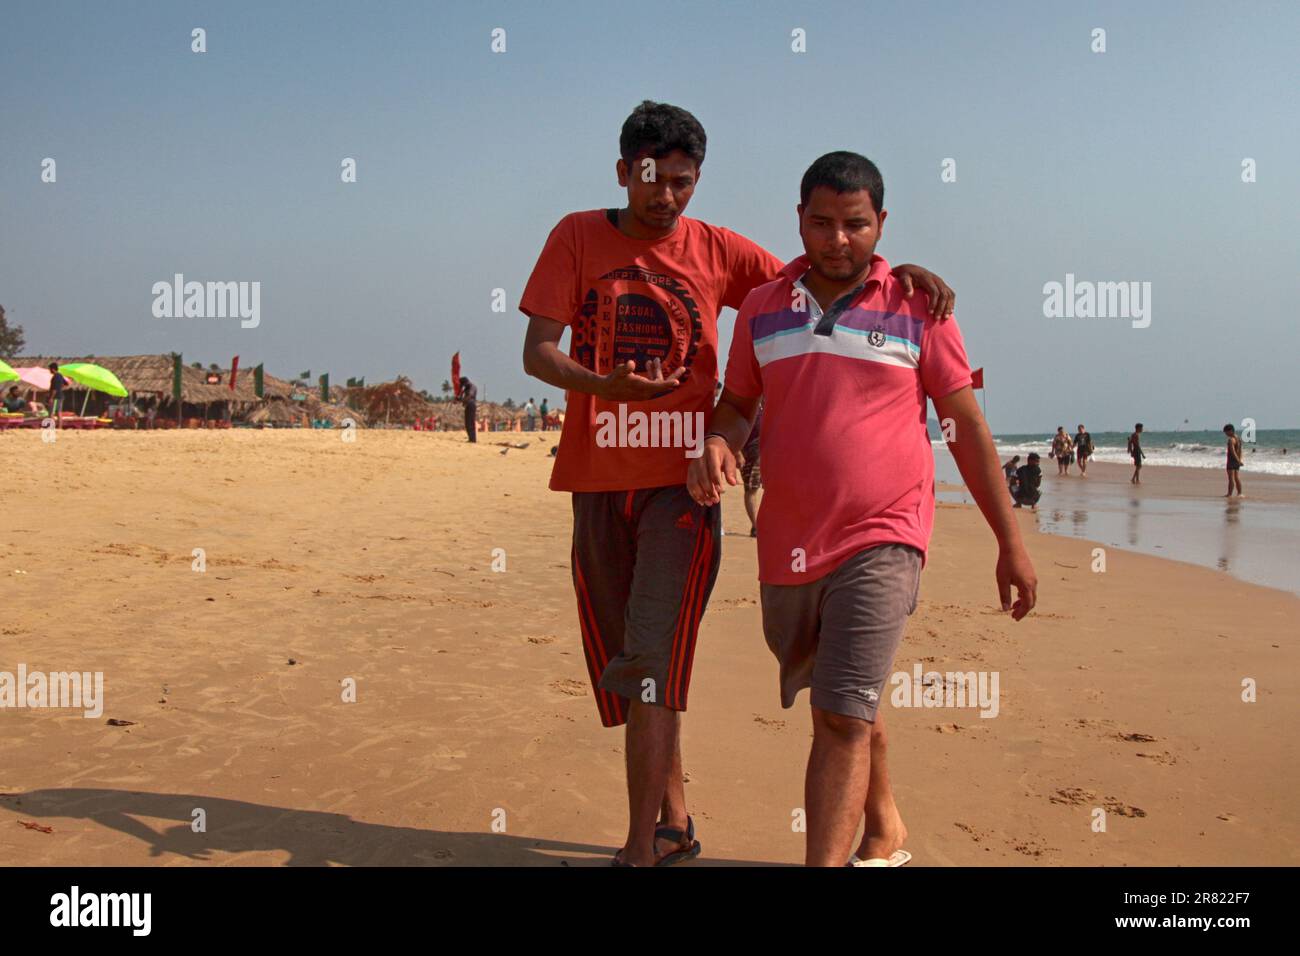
{"x":694,"y":633}
{"x":684,"y":616}
{"x":596,"y":657}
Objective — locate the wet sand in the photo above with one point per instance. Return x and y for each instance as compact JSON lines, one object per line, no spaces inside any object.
{"x":473,"y":739}
{"x":1177,"y":513}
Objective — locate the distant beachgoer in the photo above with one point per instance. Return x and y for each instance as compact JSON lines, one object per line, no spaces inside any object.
{"x":469,"y":398}
{"x":15,"y":402}
{"x":57,"y":382}
{"x":530,"y":412}
{"x":1028,"y":478}
{"x":1009,"y":470}
{"x":545,"y":412}
{"x":1234,"y":461}
{"x":1083,"y":448}
{"x":751,"y":474}
{"x":1135,"y":450}
{"x":1061,"y":449}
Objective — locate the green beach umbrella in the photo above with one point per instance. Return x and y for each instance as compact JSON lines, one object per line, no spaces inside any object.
{"x":7,"y":374}
{"x":93,"y":376}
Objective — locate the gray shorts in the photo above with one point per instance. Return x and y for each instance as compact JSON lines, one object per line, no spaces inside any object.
{"x":839,"y":634}
{"x":644,"y":563}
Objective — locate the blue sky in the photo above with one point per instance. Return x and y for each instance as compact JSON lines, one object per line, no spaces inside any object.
{"x":1115,"y":166}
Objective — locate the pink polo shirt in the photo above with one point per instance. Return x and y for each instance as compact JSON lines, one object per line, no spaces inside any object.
{"x":846,"y":459}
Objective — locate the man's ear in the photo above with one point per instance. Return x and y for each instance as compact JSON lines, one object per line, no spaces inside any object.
{"x":621,"y":170}
{"x":881,"y":228}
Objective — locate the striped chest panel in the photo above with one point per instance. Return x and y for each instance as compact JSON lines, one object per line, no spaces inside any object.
{"x":868,"y":335}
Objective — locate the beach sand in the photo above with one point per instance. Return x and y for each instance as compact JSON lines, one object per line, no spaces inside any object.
{"x":473,"y":738}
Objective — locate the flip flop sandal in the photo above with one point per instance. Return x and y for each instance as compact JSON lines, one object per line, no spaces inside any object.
{"x":664,"y":832}
{"x":678,"y":837}
{"x":897,"y":858}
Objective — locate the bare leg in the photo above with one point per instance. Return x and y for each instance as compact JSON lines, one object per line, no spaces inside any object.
{"x":751,"y":509}
{"x":884,"y":832}
{"x":835,"y":789}
{"x":651,"y":743}
{"x":673,"y":811}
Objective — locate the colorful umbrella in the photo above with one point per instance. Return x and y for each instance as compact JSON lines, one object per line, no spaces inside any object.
{"x":7,"y":374}
{"x":93,"y":376}
{"x":38,"y":378}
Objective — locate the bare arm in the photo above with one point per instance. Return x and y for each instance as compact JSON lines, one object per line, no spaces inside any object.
{"x":544,"y":360}
{"x":977,"y":460}
{"x":942,"y":298}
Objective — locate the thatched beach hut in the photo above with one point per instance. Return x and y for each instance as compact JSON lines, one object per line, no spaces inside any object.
{"x":148,"y":380}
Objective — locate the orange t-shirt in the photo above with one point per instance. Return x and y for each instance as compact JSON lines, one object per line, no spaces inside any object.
{"x":638,"y":299}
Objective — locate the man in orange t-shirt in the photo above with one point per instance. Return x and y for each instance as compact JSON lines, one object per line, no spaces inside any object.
{"x":640,"y":289}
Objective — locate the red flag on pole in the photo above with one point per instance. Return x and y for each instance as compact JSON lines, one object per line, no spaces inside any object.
{"x":234,"y":367}
{"x":455,"y":374}
{"x":977,"y":378}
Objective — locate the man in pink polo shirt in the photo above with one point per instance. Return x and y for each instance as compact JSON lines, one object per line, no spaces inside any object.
{"x":846,"y":362}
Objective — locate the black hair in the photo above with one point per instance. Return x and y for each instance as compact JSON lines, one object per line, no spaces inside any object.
{"x":1137,"y":427}
{"x":844,"y":172}
{"x":656,"y":129}
{"x":1033,"y":456}
{"x":1229,"y":428}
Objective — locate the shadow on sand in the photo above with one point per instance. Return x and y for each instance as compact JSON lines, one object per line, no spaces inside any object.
{"x":309,"y":837}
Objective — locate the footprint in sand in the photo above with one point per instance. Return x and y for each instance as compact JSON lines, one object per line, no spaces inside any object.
{"x":1165,"y":758}
{"x":1031,"y":847}
{"x":1078,"y":796}
{"x":769,"y":722}
{"x":1073,"y":796}
{"x":570,"y":687}
{"x":1122,"y":809}
{"x":1137,"y":738}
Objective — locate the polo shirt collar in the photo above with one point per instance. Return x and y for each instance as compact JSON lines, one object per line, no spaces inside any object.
{"x":879,"y":271}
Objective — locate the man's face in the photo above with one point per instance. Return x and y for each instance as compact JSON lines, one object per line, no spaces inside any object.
{"x":659,"y":189}
{"x":840,"y":232}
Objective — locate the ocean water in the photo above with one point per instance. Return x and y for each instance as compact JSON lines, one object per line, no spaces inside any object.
{"x":1256,"y":541}
{"x":1182,"y":449}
